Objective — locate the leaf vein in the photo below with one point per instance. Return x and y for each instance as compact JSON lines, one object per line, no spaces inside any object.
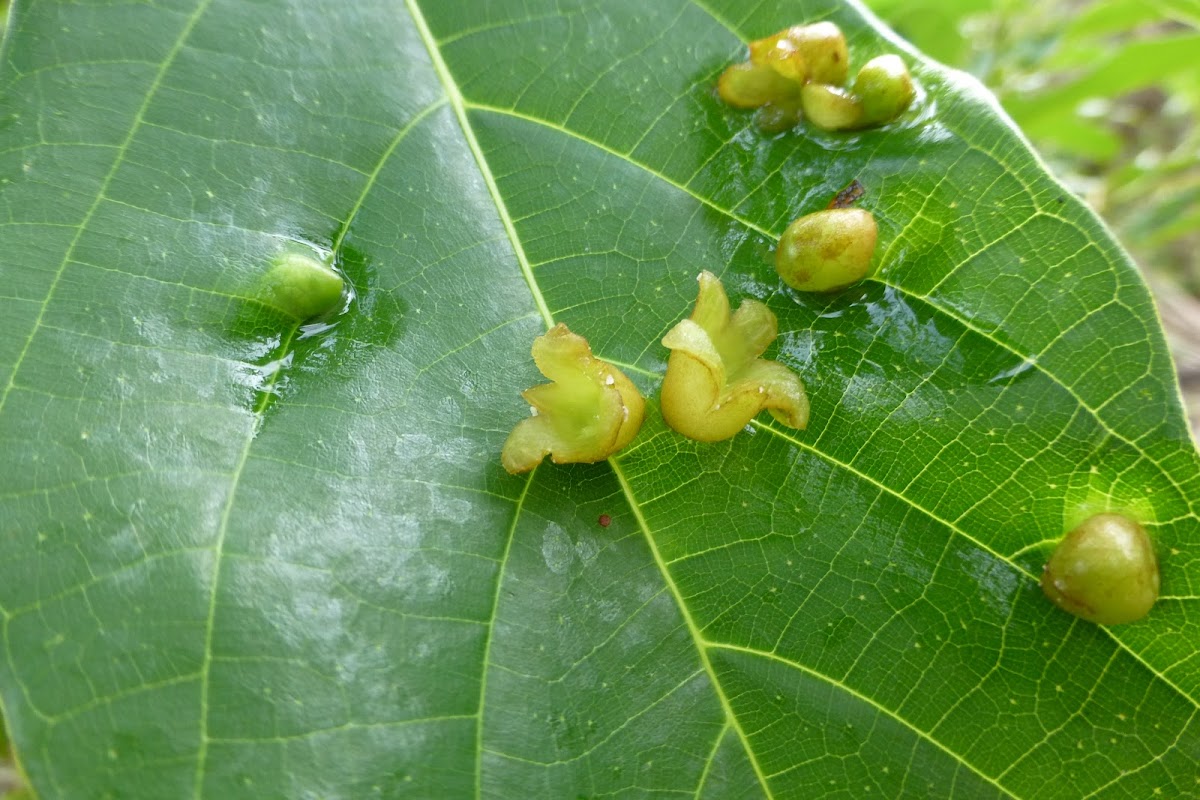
{"x":863,"y":698}
{"x":118,"y":160}
{"x":697,"y":637}
{"x":460,"y":111}
{"x":955,"y":528}
{"x":491,"y":631}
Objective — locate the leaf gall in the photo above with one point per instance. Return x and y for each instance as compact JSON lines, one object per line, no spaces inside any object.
{"x":301,"y":285}
{"x":827,"y":250}
{"x":716,"y":382}
{"x":1104,"y":571}
{"x":884,"y":88}
{"x":589,"y":411}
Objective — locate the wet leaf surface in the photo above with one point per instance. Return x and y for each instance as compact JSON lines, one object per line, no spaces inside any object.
{"x":244,"y":557}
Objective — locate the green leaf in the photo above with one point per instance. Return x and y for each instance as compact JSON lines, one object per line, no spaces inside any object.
{"x":247,"y":558}
{"x":1124,"y":68}
{"x":1113,"y":19}
{"x":938,"y":27}
{"x":1081,"y":137}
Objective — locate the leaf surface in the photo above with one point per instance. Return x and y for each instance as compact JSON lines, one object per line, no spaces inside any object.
{"x":248,"y":558}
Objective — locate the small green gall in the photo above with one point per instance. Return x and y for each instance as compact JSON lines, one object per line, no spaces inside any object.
{"x":884,"y":88}
{"x":589,"y":411}
{"x":831,"y":108}
{"x":1104,"y":571}
{"x":716,"y":382}
{"x":827,"y":250}
{"x":301,"y":285}
{"x":748,"y":85}
{"x":823,"y":48}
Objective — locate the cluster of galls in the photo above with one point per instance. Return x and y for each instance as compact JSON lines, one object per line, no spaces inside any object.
{"x":801,"y":72}
{"x":716,"y":382}
{"x":1104,"y":571}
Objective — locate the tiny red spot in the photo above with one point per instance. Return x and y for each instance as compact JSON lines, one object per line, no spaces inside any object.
{"x":605,"y":520}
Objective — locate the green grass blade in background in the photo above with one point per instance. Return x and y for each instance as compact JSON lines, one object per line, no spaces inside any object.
{"x":246,"y":558}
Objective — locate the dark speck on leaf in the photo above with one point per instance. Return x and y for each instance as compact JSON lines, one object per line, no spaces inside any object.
{"x":848,"y":196}
{"x":605,"y":520}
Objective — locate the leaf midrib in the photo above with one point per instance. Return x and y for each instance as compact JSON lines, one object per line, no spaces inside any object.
{"x":456,"y":101}
{"x":693,"y":630}
{"x":459,"y":106}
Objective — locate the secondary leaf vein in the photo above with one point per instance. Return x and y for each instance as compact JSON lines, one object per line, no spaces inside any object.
{"x":863,"y":698}
{"x":456,"y":101}
{"x":693,"y":630}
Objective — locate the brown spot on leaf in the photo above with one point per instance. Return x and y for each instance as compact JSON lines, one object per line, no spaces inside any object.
{"x":848,"y":196}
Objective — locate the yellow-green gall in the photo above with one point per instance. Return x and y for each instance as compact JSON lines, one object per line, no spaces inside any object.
{"x":301,"y":285}
{"x":1104,"y":571}
{"x":823,"y":48}
{"x":831,"y":108}
{"x":589,"y":411}
{"x":716,"y":382}
{"x":827,"y":250}
{"x":884,"y":88}
{"x":780,"y":54}
{"x":748,"y":85}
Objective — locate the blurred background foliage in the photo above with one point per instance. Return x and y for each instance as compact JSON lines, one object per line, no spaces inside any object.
{"x":1108,"y":91}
